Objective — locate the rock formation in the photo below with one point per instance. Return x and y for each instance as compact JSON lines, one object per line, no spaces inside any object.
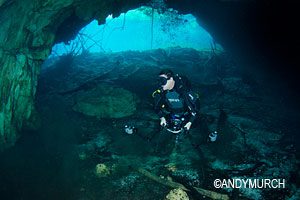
{"x":106,"y":102}
{"x":177,"y":194}
{"x":29,"y":29}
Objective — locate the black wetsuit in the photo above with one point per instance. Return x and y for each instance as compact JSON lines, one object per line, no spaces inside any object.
{"x":178,"y":106}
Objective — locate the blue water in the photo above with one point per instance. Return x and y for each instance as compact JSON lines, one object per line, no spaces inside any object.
{"x":133,"y":31}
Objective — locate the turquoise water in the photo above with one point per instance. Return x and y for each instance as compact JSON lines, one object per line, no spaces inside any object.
{"x":58,"y":160}
{"x":134,"y":31}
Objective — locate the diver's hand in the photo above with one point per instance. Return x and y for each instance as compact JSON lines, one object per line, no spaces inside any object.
{"x":188,"y":126}
{"x":163,"y":121}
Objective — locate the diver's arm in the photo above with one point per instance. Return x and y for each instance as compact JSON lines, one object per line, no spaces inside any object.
{"x":193,"y":113}
{"x":158,"y":107}
{"x":158,"y":104}
{"x":193,"y":116}
{"x":193,"y":107}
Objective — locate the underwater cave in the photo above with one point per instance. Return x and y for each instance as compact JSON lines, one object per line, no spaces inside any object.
{"x":79,"y":81}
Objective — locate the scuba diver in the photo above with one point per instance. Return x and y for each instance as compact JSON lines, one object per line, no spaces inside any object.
{"x":178,"y":108}
{"x":175,"y":103}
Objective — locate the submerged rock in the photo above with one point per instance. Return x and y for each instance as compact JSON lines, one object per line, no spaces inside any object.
{"x":106,"y":101}
{"x":102,"y":170}
{"x":177,"y":194}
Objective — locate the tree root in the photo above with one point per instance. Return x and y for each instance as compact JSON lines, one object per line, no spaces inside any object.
{"x":172,"y":184}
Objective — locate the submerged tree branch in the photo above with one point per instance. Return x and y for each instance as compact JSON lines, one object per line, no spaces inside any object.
{"x":172,"y":184}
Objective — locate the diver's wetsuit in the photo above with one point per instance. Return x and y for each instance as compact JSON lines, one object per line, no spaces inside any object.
{"x":178,"y":106}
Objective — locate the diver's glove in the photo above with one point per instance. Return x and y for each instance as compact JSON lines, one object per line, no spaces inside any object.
{"x":163,"y":121}
{"x":187,"y":126}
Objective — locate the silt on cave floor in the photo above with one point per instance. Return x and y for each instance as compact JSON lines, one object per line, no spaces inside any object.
{"x":81,"y":152}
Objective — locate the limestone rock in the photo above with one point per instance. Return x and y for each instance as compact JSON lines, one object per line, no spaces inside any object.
{"x":102,"y":170}
{"x":26,"y":38}
{"x":177,"y":194}
{"x":106,"y":101}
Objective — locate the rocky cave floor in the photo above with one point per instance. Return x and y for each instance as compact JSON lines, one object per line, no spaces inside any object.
{"x":84,"y":102}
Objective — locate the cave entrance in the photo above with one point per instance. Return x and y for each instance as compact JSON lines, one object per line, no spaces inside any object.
{"x":108,"y":66}
{"x":141,"y":29}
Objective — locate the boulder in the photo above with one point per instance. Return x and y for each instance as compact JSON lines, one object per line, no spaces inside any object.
{"x":102,"y":170}
{"x":177,"y":194}
{"x":106,"y":101}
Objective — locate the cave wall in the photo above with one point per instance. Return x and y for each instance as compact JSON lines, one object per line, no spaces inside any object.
{"x":28,"y":31}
